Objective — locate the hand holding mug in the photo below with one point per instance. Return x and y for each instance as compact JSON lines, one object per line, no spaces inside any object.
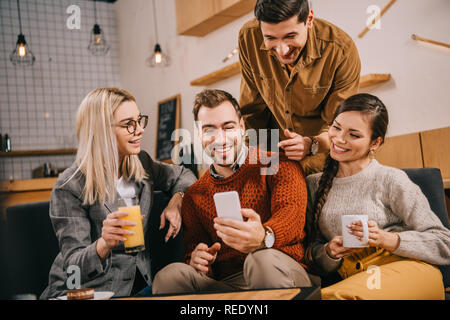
{"x":336,"y":250}
{"x":350,"y":240}
{"x":377,"y":237}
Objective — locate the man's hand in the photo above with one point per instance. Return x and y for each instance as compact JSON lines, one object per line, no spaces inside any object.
{"x":295,"y":146}
{"x":202,"y":256}
{"x":172,"y":213}
{"x":243,"y":236}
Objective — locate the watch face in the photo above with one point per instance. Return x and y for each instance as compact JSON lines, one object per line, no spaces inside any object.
{"x":269,"y":240}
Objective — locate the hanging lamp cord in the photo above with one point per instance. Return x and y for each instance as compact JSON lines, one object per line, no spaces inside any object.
{"x":95,"y":11}
{"x":20,"y":18}
{"x":154,"y":21}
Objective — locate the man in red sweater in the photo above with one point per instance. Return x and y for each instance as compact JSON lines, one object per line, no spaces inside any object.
{"x":264,"y":250}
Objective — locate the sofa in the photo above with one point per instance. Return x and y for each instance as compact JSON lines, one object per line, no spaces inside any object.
{"x":32,"y":246}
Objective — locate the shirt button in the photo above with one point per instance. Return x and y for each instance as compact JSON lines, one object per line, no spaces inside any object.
{"x":287,"y":111}
{"x":288,"y":89}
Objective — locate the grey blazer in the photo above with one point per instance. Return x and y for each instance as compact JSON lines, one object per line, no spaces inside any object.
{"x":78,"y":227}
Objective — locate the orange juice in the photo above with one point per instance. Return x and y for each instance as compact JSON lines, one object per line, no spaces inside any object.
{"x":134,"y":242}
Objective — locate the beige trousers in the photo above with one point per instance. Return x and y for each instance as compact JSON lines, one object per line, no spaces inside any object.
{"x":263,"y":269}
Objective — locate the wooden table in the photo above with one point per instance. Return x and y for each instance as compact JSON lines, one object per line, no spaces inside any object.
{"x":307,"y":293}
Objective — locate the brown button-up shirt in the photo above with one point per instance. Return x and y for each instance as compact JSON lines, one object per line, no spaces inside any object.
{"x":304,"y":99}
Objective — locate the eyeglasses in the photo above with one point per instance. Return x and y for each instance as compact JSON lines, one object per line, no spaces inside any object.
{"x":132,"y":124}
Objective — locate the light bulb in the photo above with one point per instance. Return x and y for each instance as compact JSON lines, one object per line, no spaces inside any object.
{"x":158,"y":57}
{"x":22,"y":50}
{"x":98,"y":39}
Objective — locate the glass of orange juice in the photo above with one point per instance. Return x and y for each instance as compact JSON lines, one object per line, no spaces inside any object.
{"x":135,"y":242}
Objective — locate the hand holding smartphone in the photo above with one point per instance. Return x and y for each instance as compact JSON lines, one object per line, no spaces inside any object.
{"x":228,"y":205}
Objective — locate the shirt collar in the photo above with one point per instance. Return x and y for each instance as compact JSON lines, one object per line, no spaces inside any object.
{"x":240,"y":161}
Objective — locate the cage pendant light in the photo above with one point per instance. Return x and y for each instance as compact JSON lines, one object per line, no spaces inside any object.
{"x":97,"y":45}
{"x":158,"y":57}
{"x":22,"y":55}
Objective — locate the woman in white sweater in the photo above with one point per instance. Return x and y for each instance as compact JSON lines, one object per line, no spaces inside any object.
{"x":406,"y":239}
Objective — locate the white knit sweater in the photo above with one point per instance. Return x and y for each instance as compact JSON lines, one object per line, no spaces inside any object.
{"x":390,"y":198}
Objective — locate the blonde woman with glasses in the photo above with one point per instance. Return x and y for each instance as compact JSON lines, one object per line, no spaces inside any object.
{"x":83,"y":205}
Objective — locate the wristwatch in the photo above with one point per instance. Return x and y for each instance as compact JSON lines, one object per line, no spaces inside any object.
{"x":314,"y":147}
{"x":269,"y":239}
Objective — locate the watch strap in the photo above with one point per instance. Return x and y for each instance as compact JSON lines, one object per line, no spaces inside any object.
{"x":314,"y":147}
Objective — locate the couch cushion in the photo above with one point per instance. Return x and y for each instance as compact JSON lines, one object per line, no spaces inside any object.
{"x":32,"y":246}
{"x":430,"y":182}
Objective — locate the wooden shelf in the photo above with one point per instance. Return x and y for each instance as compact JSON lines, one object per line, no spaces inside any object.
{"x":218,"y":75}
{"x":27,"y":153}
{"x":373,"y":78}
{"x":234,"y":69}
{"x":27,"y":185}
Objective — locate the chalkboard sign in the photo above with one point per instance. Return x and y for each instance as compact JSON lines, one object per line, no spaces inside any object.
{"x":168,"y":122}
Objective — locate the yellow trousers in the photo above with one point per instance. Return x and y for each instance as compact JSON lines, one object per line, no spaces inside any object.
{"x":377,"y":274}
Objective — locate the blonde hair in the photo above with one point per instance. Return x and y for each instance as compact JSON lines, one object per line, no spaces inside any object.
{"x":97,"y":156}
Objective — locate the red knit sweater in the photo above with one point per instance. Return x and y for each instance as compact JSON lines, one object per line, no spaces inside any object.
{"x":279,"y":199}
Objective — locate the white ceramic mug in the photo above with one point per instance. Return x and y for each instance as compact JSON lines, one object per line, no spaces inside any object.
{"x":350,"y":240}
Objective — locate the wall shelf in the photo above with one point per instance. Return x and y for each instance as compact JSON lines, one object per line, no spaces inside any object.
{"x":218,"y":75}
{"x":27,"y":153}
{"x":234,"y":69}
{"x":373,"y":78}
{"x":27,"y":185}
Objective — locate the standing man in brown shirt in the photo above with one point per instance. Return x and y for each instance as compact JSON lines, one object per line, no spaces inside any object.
{"x":296,"y":70}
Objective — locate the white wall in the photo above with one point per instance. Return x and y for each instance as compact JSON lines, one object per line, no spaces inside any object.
{"x":417,"y":98}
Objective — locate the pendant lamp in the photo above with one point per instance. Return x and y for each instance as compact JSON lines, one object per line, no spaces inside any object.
{"x":158,"y":57}
{"x":22,"y":55}
{"x":97,"y":45}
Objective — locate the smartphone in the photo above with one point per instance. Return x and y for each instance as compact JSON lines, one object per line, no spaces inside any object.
{"x":228,"y":205}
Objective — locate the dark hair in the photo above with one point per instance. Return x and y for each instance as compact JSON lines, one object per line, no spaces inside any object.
{"x":211,"y":98}
{"x":375,"y":110}
{"x":275,"y":11}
